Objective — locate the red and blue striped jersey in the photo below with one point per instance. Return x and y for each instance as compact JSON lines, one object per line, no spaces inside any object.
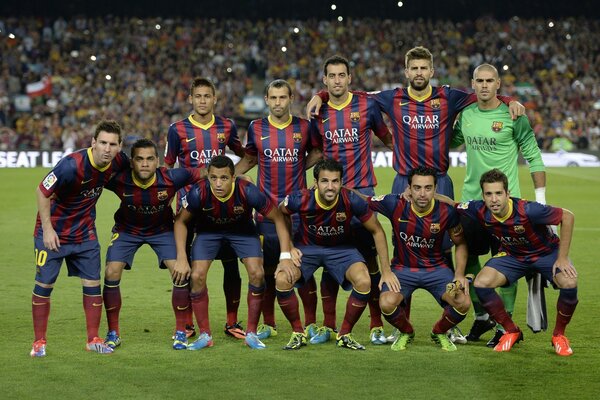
{"x":281,"y":152}
{"x":346,"y":133}
{"x":146,"y":210}
{"x":523,"y":233}
{"x":418,"y":237}
{"x":232,"y":213}
{"x":326,"y":226}
{"x":422,"y":127}
{"x":194,"y":144}
{"x":75,"y":184}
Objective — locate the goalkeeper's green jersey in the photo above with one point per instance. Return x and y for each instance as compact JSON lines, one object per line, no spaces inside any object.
{"x":493,"y":140}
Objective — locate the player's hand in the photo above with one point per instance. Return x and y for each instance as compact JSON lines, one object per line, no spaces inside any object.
{"x":313,"y":107}
{"x":516,"y":109}
{"x":181,"y":272}
{"x":296,"y":256}
{"x":406,"y":195}
{"x":391,"y":280}
{"x":51,"y":240}
{"x":287,"y":267}
{"x":463,"y":283}
{"x":565,"y":266}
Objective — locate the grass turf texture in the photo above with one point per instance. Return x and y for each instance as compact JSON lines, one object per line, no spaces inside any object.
{"x":146,"y":367}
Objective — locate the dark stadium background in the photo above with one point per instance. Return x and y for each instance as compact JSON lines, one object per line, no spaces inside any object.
{"x":297,"y":9}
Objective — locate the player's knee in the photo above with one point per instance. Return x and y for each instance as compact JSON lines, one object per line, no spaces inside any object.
{"x":388,"y":301}
{"x":282,"y":283}
{"x":483,"y":281}
{"x":565,"y":282}
{"x":198,"y":278}
{"x":256,"y":275}
{"x":464,"y":304}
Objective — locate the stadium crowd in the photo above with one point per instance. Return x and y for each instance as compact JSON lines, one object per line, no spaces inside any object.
{"x":139,"y":70}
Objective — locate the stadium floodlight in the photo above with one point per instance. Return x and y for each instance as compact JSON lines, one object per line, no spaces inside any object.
{"x":333,"y":6}
{"x":550,"y":24}
{"x":400,"y":4}
{"x":74,"y":53}
{"x":340,"y":18}
{"x":11,"y":35}
{"x":296,"y":30}
{"x":505,"y":67}
{"x":283,"y":48}
{"x":108,"y":77}
{"x":93,"y":57}
{"x":157,"y":26}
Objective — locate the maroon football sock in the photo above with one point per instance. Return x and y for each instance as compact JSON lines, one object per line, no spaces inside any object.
{"x":255,"y":299}
{"x":288,"y":301}
{"x":356,"y":304}
{"x":180,"y":300}
{"x":268,"y":303}
{"x":200,"y":307}
{"x":40,"y":310}
{"x":329,"y":292}
{"x":112,"y":305}
{"x":398,"y":319}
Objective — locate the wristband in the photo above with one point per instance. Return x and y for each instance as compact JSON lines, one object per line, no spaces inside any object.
{"x":285,"y":255}
{"x":540,"y":195}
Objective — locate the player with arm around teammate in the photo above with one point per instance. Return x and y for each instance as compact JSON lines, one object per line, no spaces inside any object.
{"x":324,"y":238}
{"x":65,"y":230}
{"x":526,"y":244}
{"x":219,"y":209}
{"x":145,"y":216}
{"x":418,"y":228}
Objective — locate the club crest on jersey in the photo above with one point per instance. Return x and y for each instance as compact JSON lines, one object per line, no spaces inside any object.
{"x":463,"y":206}
{"x":354,"y":116}
{"x":297,"y":136}
{"x":340,"y":217}
{"x":434,"y":103}
{"x":434,"y":228}
{"x":519,"y":229}
{"x":497,"y":126}
{"x":238,"y":210}
{"x":162,"y":195}
{"x":221,"y":137}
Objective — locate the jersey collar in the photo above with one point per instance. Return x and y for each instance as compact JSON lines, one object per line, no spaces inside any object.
{"x":202,"y":126}
{"x":323,"y":206}
{"x":91,"y":157}
{"x":340,"y":106}
{"x":280,"y":126}
{"x":140,"y":184}
{"x":420,"y":98}
{"x":508,"y":213}
{"x":424,"y":213}
{"x":224,"y":199}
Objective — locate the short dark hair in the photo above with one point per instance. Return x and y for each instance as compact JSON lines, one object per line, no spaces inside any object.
{"x":336,"y":60}
{"x":418,"y":53}
{"x":108,"y":125}
{"x":143,"y":143}
{"x":221,"y":162}
{"x":493,"y":176}
{"x":278,"y":83}
{"x":422,"y":171}
{"x":328,"y":164}
{"x":199,"y":82}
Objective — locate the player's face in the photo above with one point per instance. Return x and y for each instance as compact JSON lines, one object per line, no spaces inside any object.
{"x":329,"y":185}
{"x":105,"y":148}
{"x":220,"y":180}
{"x":422,"y":189}
{"x":278,"y":100}
{"x":144,"y":163}
{"x":337,"y":80}
{"x":486,"y":84}
{"x":418,"y":73}
{"x":203,"y":101}
{"x":496,"y":198}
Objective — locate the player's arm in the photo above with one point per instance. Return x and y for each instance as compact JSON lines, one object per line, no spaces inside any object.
{"x":314,"y":155}
{"x":461,"y":253}
{"x":181,"y":270}
{"x":51,"y":240}
{"x":458,"y":138}
{"x":525,"y":138}
{"x":286,"y":264}
{"x":566,"y":233}
{"x":444,"y":199}
{"x":246,"y":163}
{"x":387,"y":276}
{"x":172,"y":147}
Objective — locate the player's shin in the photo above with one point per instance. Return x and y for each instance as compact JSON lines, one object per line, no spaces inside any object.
{"x":180,"y":300}
{"x":288,"y":301}
{"x":356,"y":304}
{"x":255,"y":299}
{"x":232,"y":287}
{"x":92,"y":306}
{"x":397,"y":318}
{"x":329,"y":292}
{"x":492,"y":303}
{"x":111,"y":294}
{"x":450,"y":318}
{"x":308,"y":294}
{"x":565,"y":307}
{"x":374,"y":300}
{"x":40,"y":310}
{"x":199,"y":302}
{"x":268,"y":304}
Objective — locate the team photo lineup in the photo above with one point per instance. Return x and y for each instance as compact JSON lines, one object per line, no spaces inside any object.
{"x":201,"y":206}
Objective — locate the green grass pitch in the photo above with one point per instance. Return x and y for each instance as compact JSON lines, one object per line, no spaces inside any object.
{"x":146,"y":367}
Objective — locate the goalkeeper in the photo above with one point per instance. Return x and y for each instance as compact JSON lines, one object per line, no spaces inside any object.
{"x":493,"y":140}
